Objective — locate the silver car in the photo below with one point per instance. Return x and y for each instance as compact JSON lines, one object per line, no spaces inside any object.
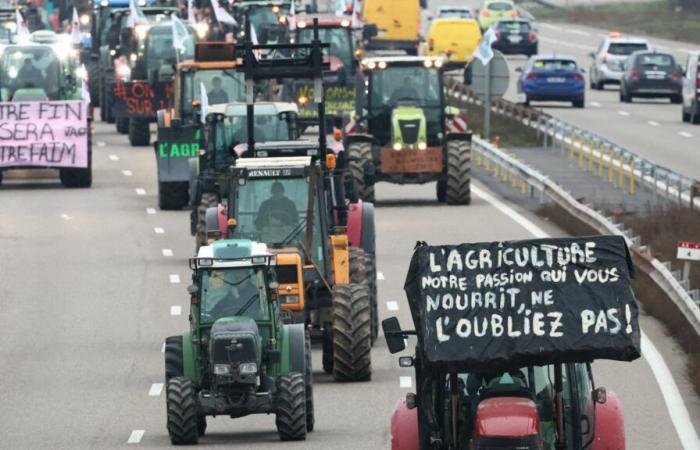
{"x":609,"y":59}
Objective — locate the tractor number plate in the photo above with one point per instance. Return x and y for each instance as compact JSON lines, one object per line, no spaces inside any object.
{"x":410,"y":160}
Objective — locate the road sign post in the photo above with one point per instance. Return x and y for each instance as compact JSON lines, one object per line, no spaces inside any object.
{"x":687,"y":251}
{"x":489,"y":82}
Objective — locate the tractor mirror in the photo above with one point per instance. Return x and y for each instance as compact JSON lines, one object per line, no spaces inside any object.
{"x":451,"y":111}
{"x":192,"y":289}
{"x":600,"y":395}
{"x":369,"y":31}
{"x":393,"y":334}
{"x":273,"y":285}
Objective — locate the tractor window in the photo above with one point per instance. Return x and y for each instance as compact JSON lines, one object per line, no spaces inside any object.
{"x":268,"y":128}
{"x":222,"y":85}
{"x":272,"y":210}
{"x":266,"y":20}
{"x":233,"y":292}
{"x":160,"y":51}
{"x":30,"y":68}
{"x":339,"y":38}
{"x":405,"y":84}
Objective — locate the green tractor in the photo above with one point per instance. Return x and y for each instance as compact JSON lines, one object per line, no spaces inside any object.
{"x":407,"y":133}
{"x":48,"y":74}
{"x":237,"y":358}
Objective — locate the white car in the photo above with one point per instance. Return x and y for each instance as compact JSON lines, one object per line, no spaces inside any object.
{"x":454,"y":12}
{"x":610,"y":56}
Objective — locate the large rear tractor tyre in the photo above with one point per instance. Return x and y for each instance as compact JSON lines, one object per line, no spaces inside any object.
{"x":201,"y":425}
{"x":123,"y":125}
{"x":78,"y":178}
{"x":309,"y":384}
{"x":290,"y":405}
{"x":94,"y":72}
{"x":139,"y":132}
{"x":363,"y":271}
{"x":458,"y":173}
{"x":181,"y":405}
{"x":173,"y":195}
{"x":441,"y":191}
{"x":352,"y":333}
{"x":173,"y":358}
{"x":209,"y":199}
{"x":327,"y":348}
{"x":360,"y":154}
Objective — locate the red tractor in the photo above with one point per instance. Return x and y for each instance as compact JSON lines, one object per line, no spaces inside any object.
{"x":485,"y":388}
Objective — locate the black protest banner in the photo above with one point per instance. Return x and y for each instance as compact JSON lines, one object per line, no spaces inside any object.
{"x":139,"y":99}
{"x":505,"y":304}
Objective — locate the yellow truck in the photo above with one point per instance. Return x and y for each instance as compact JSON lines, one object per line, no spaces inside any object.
{"x":398,"y":23}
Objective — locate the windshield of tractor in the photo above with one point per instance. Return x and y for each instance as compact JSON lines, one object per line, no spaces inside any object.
{"x":404,"y":85}
{"x":233,"y":292}
{"x":28,"y":68}
{"x":222,"y":85}
{"x":532,"y":382}
{"x":274,"y":211}
{"x":339,"y":38}
{"x":269,"y":126}
{"x":160,"y":51}
{"x":262,"y":16}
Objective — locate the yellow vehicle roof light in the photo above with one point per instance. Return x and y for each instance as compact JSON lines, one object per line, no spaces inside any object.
{"x":371,"y":65}
{"x":275,"y":9}
{"x":615,"y":34}
{"x":382,"y":64}
{"x":438,"y":63}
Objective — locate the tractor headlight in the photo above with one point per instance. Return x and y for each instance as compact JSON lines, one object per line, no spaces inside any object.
{"x":222,"y":369}
{"x":302,"y":100}
{"x":141,"y":31}
{"x":133,"y":57}
{"x":248,"y":369}
{"x":397,"y":145}
{"x":112,"y":52}
{"x":201,"y":28}
{"x":422,"y":146}
{"x":124,"y":72}
{"x":84,"y":19}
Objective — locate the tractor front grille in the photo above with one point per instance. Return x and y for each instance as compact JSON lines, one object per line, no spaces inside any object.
{"x":409,"y":131}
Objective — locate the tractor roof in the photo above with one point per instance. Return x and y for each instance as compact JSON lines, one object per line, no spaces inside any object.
{"x":262,"y":108}
{"x":286,"y":162}
{"x":299,"y":148}
{"x":324,"y":21}
{"x":379,"y":61}
{"x":232,"y":253}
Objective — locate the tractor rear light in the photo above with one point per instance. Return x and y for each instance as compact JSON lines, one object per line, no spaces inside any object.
{"x":222,"y":369}
{"x":532,"y":37}
{"x":248,"y":369}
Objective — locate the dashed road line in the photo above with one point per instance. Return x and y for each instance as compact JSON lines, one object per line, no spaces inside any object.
{"x":101,"y":144}
{"x":150,"y":211}
{"x":127,"y":173}
{"x":113,"y":158}
{"x":596,"y":104}
{"x":623,"y":113}
{"x":66,"y":217}
{"x":174,"y":278}
{"x":156,"y":389}
{"x":135,"y":436}
{"x":380,"y":275}
{"x":685,"y":134}
{"x":653,"y":123}
{"x":167,"y":252}
{"x":579,"y":32}
{"x":405,"y":382}
{"x":162,"y":348}
{"x":175,"y":310}
{"x":392,"y":306}
{"x":158,"y":230}
{"x":140,"y":191}
{"x":568,"y":44}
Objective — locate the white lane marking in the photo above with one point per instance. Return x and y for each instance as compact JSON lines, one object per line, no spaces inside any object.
{"x":66,"y":217}
{"x":653,"y":123}
{"x":135,"y":436}
{"x":101,"y":144}
{"x":623,"y":113}
{"x":175,"y":310}
{"x":568,"y":44}
{"x":174,"y":278}
{"x":158,"y":230}
{"x":550,"y":26}
{"x":162,"y":349}
{"x":596,"y":104}
{"x":113,"y":158}
{"x":579,"y":32}
{"x":156,"y":389}
{"x":127,"y":173}
{"x":150,"y":210}
{"x":392,"y":306}
{"x":167,"y":252}
{"x":660,"y":47}
{"x":687,"y":50}
{"x":380,"y":276}
{"x":140,"y":191}
{"x":685,"y":134}
{"x":669,"y":390}
{"x":405,"y":382}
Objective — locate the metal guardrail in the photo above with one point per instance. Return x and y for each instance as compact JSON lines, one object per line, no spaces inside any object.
{"x":525,"y":178}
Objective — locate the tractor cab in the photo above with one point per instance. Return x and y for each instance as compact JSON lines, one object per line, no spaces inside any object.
{"x":268,"y":18}
{"x":238,"y":357}
{"x":40,"y":72}
{"x":157,"y":54}
{"x":503,"y":351}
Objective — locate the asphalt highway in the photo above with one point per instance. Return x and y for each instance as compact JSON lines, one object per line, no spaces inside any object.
{"x":93,"y":280}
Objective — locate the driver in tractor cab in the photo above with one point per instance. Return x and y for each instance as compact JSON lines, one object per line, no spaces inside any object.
{"x":277,"y":208}
{"x":217,"y":95}
{"x":28,"y":75}
{"x":404,"y":92}
{"x":229,"y":291}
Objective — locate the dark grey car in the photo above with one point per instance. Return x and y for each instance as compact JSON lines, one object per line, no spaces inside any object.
{"x":652,"y":75}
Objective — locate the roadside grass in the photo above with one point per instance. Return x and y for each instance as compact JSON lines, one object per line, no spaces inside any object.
{"x":658,"y":18}
{"x":511,"y":132}
{"x":660,"y":230}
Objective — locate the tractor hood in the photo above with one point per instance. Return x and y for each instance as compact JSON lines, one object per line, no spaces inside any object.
{"x":507,"y":420}
{"x":408,"y":126}
{"x":234,"y":351}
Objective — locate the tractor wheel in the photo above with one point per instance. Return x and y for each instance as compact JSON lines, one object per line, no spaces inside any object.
{"x":139,"y":132}
{"x":291,"y":407}
{"x":201,"y":425}
{"x":173,"y":358}
{"x":309,"y":384}
{"x":359,"y":154}
{"x":123,"y":125}
{"x":78,"y":178}
{"x":352,"y":333}
{"x":458,"y":173}
{"x":181,"y":404}
{"x":94,"y":72}
{"x":441,"y":191}
{"x":173,"y":195}
{"x":209,"y":199}
{"x":327,"y":348}
{"x":363,"y":271}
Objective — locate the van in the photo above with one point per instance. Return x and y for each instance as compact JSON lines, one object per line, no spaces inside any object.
{"x":398,"y":23}
{"x":455,"y":39}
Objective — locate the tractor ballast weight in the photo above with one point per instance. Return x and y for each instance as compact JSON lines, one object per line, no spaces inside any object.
{"x":409,"y":135}
{"x":505,"y":362}
{"x":238,"y":357}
